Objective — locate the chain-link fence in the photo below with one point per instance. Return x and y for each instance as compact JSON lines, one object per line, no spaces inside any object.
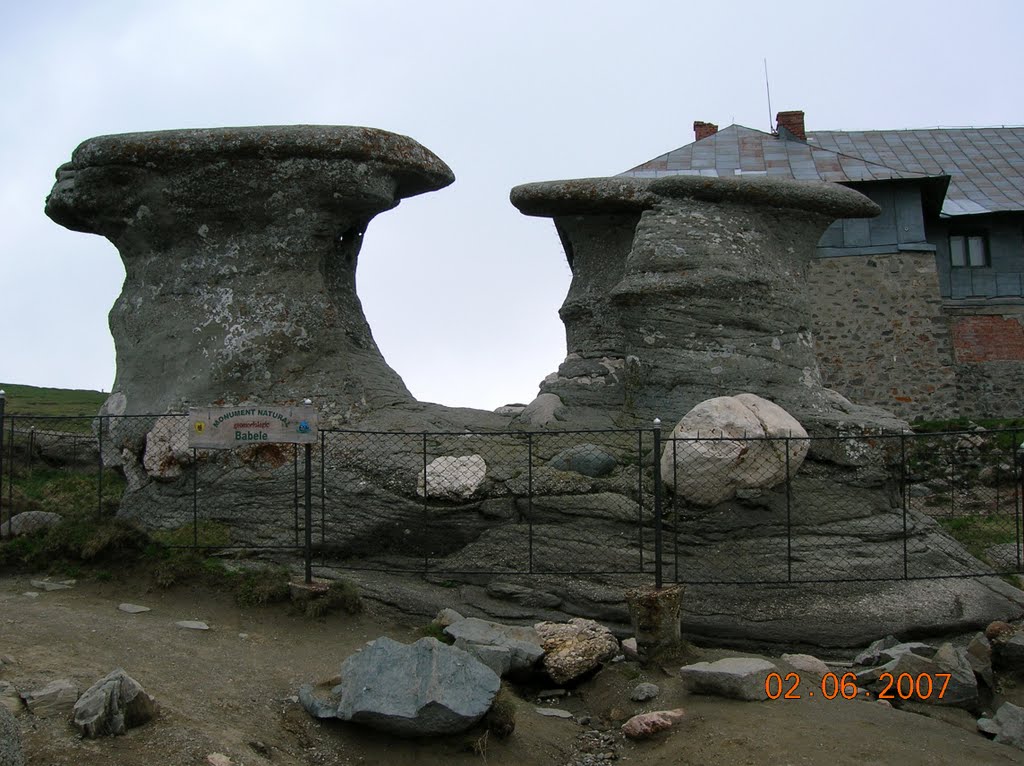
{"x":698,"y":510}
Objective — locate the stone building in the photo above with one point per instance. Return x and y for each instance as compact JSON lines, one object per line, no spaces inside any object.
{"x":921,"y":309}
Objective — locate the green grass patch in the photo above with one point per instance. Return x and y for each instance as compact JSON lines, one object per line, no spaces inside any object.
{"x":262,"y":586}
{"x":977,"y":533}
{"x":63,"y":402}
{"x":340,"y":595}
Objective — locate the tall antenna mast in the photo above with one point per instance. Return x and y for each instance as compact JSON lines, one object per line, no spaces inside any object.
{"x":768,"y":89}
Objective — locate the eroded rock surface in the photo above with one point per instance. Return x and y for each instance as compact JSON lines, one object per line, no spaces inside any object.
{"x":240,"y":248}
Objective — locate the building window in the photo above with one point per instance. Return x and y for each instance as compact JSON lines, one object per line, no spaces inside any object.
{"x":968,"y":250}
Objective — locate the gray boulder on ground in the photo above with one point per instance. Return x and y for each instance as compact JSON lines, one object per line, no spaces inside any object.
{"x":422,"y":689}
{"x":979,"y":654}
{"x":1007,"y":725}
{"x":736,"y":677}
{"x":960,"y":689}
{"x":112,"y":705}
{"x":1008,"y":651}
{"x":574,"y":648}
{"x":522,"y":644}
{"x":11,"y":753}
{"x":54,"y":700}
{"x":29,"y":521}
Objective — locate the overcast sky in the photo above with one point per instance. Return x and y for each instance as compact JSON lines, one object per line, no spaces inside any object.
{"x":461,"y":291}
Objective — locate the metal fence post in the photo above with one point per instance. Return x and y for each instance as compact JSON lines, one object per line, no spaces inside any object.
{"x":640,"y":493}
{"x":903,"y":499}
{"x":99,"y":462}
{"x":426,"y":519}
{"x":657,"y":504}
{"x":789,"y":514}
{"x":3,"y":404}
{"x":323,"y":495}
{"x":10,"y":469}
{"x":295,"y":489}
{"x":309,"y":513}
{"x":195,"y":497}
{"x":529,"y":499}
{"x":1016,"y":493}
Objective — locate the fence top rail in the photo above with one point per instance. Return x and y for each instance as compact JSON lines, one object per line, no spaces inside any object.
{"x":908,"y":434}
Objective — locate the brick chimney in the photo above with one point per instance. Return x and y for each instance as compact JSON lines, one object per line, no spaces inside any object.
{"x":792,"y":122}
{"x":704,"y":129}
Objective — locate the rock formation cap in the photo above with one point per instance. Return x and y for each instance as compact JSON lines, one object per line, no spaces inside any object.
{"x":623,"y":194}
{"x":417,"y":169}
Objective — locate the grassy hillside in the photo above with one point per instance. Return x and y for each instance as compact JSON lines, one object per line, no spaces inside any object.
{"x":31,"y":400}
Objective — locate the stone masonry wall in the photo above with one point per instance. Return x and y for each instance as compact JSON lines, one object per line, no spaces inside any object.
{"x":883,"y":337}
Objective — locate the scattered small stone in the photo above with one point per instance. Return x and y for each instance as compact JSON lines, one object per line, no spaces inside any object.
{"x":192,"y":625}
{"x":1009,"y":718}
{"x":48,"y":585}
{"x":630,"y":650}
{"x":9,"y":697}
{"x":31,"y":594}
{"x":551,"y":693}
{"x":6,"y":659}
{"x":553,"y":712}
{"x":736,"y":677}
{"x":243,"y":636}
{"x":133,"y":608}
{"x":55,"y":700}
{"x":447,"y":617}
{"x":884,"y":703}
{"x":11,"y":753}
{"x":319,"y":706}
{"x":644,"y":692}
{"x":218,"y":759}
{"x":260,"y":748}
{"x":807,"y":663}
{"x":998,"y":630}
{"x":647,"y":724}
{"x":988,"y":726}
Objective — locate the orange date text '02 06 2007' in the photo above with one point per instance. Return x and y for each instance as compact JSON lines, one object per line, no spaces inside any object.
{"x":924,"y":686}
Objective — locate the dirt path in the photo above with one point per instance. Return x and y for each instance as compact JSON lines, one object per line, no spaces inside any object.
{"x":227,"y":690}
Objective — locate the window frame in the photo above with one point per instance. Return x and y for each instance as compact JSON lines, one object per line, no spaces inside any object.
{"x":967,"y":235}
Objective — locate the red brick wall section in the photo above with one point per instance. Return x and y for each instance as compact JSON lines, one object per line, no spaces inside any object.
{"x":988,"y":339}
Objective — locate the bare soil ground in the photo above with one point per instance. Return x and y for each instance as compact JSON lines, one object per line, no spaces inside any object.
{"x":229,"y":690}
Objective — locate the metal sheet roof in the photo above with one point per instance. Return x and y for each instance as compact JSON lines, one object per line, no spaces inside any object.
{"x":985,"y":165}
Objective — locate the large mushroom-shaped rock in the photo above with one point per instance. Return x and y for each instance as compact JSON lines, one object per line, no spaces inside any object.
{"x":730,"y":443}
{"x":240,"y":248}
{"x":421,"y":689}
{"x":689,"y":287}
